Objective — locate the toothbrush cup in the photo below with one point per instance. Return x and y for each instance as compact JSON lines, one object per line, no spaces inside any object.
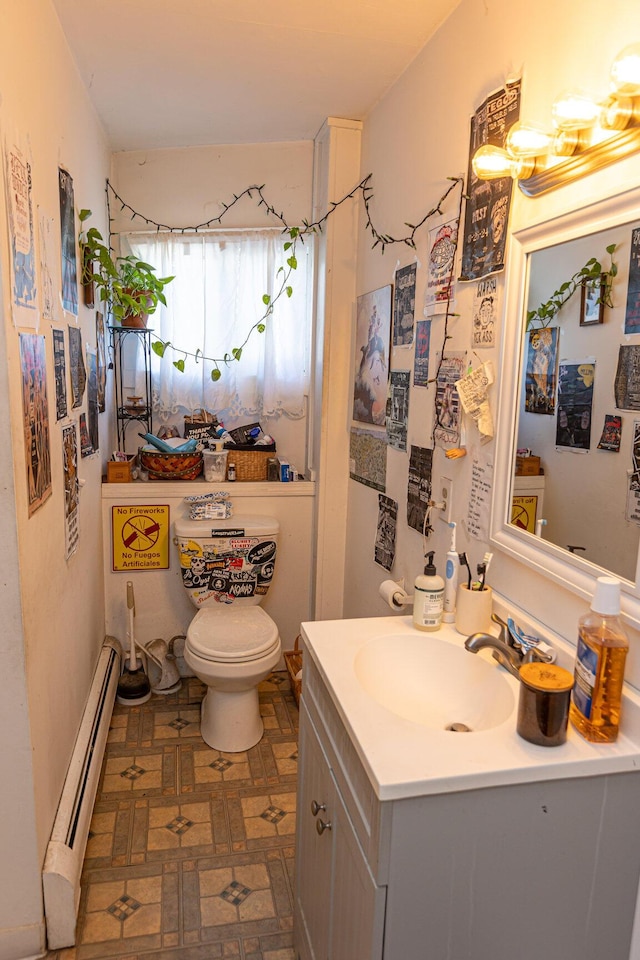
{"x":473,"y":610}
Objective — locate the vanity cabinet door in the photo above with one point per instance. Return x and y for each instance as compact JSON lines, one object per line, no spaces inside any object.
{"x":339,"y":907}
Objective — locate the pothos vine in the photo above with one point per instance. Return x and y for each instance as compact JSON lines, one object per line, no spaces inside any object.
{"x":293,"y":235}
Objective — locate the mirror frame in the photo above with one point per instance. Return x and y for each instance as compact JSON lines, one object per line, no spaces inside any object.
{"x":568,"y":570}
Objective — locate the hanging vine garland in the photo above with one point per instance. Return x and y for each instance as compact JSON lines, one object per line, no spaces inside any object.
{"x":294,"y":236}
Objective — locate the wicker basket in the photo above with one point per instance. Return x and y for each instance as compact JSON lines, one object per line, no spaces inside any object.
{"x":171,"y":466}
{"x":251,"y":463}
{"x":293,"y":660}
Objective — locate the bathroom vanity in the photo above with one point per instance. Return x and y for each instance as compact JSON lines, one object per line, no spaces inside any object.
{"x":414,"y":841}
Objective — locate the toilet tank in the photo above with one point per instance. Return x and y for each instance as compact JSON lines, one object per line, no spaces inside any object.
{"x":227,"y":561}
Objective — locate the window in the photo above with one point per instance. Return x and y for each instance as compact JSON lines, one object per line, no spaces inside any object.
{"x":214,"y":301}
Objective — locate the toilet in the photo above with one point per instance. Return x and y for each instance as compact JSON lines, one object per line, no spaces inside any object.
{"x":232,"y":644}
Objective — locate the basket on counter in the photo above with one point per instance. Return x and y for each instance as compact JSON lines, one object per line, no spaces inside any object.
{"x":293,"y":661}
{"x":171,"y":466}
{"x":250,"y":461}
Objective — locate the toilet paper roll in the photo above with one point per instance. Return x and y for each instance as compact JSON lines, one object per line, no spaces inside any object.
{"x":393,"y":594}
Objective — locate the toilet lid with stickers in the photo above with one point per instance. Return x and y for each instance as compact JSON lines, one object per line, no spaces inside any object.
{"x":232,"y":634}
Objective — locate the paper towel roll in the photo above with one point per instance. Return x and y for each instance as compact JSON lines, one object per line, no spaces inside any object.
{"x":393,"y":594}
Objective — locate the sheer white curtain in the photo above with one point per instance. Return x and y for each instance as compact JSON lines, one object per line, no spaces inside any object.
{"x":215,"y":299}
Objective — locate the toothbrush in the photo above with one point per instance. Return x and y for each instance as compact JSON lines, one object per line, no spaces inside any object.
{"x":462,"y":557}
{"x":450,"y":580}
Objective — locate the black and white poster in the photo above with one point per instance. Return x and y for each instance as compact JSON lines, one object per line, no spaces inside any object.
{"x":398,"y":409}
{"x":487,"y":209}
{"x":76,"y":367}
{"x":575,"y":402}
{"x":418,"y":486}
{"x":385,"y":547}
{"x":448,"y":409}
{"x":404,"y":305}
{"x":627,"y":382}
{"x":60,"y":370}
{"x":421,"y":358}
{"x":632,"y":312}
{"x":68,"y":243}
{"x":92,"y":399}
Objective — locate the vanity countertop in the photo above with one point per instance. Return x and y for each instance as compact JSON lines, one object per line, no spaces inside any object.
{"x":408,"y":759}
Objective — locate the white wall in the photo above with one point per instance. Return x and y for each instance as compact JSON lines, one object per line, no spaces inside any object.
{"x":184,"y":187}
{"x":413,"y":140}
{"x":53,"y":623}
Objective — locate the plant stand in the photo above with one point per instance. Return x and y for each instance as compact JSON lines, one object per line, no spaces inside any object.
{"x":126,"y":343}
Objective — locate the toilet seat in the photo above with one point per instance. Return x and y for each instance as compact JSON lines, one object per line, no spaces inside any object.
{"x":232,"y":635}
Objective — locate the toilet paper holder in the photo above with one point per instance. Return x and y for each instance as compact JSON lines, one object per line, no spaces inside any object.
{"x":394,"y":594}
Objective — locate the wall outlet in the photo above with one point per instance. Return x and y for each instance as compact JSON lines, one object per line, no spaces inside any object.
{"x":446,"y":497}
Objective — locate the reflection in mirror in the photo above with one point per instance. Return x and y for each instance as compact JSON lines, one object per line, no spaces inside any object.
{"x":577,"y":412}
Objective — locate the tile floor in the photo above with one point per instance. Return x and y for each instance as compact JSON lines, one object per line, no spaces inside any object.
{"x":190,"y":853}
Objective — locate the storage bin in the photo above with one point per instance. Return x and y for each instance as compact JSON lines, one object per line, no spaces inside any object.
{"x":215,"y":465}
{"x":120,"y":471}
{"x":251,"y":462}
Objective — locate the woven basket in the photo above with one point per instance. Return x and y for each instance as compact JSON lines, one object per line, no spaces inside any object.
{"x":171,"y":466}
{"x":250,"y":464}
{"x":293,"y":661}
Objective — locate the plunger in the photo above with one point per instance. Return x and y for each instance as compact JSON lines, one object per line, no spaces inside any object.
{"x":133,"y":686}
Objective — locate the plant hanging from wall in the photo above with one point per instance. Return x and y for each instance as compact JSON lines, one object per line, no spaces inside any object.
{"x":293,"y":235}
{"x":591,"y":272}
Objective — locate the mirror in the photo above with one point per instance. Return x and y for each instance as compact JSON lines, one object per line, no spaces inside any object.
{"x":576,"y":484}
{"x":583,"y":489}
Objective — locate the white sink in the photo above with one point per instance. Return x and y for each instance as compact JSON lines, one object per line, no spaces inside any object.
{"x":430,"y":681}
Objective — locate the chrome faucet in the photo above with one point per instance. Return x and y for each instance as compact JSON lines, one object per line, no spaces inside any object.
{"x":504,"y":650}
{"x":510,"y":658}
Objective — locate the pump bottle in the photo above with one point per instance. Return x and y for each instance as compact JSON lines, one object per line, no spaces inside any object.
{"x":428,"y":598}
{"x":599,"y":672}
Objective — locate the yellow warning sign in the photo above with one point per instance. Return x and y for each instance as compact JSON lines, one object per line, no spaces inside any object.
{"x":140,"y":537}
{"x":523,"y":513}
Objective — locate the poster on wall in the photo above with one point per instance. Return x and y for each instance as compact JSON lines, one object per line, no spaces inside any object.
{"x":373,"y":341}
{"x":627,"y":381}
{"x":60,"y":371}
{"x":22,"y":239}
{"x":35,"y":410}
{"x":92,"y":399}
{"x":47,"y":257}
{"x":71,"y":488}
{"x":368,"y":458}
{"x":101,"y":360}
{"x":611,"y":433}
{"x":404,"y":305}
{"x":448,"y":408}
{"x":85,"y":440}
{"x":77,"y":369}
{"x":398,"y":409}
{"x":575,"y":403}
{"x":443,"y":241}
{"x":419,"y":486}
{"x":632,"y":312}
{"x":68,"y":243}
{"x":485,"y":313}
{"x":385,"y":546}
{"x":421,"y":357}
{"x":540,"y":372}
{"x":487,"y":208}
{"x":632,"y":511}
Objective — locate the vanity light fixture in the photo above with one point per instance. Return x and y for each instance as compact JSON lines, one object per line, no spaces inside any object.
{"x":587,"y":135}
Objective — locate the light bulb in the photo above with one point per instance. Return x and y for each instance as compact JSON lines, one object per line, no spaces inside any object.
{"x":491,"y":163}
{"x":574,"y":111}
{"x":527,"y":140}
{"x":625,"y":71}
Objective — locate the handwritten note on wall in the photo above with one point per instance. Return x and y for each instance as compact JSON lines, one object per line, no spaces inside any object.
{"x":480,"y":498}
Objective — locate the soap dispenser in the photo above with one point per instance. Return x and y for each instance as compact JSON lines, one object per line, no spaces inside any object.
{"x":428,"y":598}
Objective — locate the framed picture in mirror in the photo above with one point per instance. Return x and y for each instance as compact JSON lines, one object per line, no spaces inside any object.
{"x":592,"y":303}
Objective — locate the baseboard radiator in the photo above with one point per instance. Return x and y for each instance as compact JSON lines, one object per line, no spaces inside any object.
{"x":66,"y":849}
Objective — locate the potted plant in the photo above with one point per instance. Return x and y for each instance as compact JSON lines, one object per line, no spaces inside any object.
{"x":128,"y":285}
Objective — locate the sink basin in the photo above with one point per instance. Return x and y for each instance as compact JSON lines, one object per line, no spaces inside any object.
{"x":434,"y":683}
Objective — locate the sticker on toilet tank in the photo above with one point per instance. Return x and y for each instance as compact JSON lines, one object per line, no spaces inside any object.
{"x":226,"y":568}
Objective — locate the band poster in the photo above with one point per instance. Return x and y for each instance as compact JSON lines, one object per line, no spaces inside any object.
{"x":21,"y":231}
{"x":68,"y":243}
{"x":443,"y":242}
{"x":421,"y":357}
{"x":632,"y":312}
{"x":404,"y":304}
{"x":71,"y":487}
{"x":35,"y":411}
{"x":575,"y":403}
{"x":418,"y":486}
{"x":448,"y":408}
{"x":540,"y":373}
{"x":373,"y":342}
{"x":385,"y":546}
{"x":398,"y":409}
{"x":487,"y":209}
{"x":60,"y":371}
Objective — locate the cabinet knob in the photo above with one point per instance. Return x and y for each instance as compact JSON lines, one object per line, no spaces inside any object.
{"x":317,"y":807}
{"x":322,"y":825}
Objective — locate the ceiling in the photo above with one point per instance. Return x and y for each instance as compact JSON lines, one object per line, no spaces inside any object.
{"x":174,"y":73}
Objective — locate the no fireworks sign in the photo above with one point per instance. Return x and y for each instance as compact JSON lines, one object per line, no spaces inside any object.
{"x":140,"y":537}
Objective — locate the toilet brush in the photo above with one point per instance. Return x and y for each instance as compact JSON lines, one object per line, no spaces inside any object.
{"x":133,"y":687}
